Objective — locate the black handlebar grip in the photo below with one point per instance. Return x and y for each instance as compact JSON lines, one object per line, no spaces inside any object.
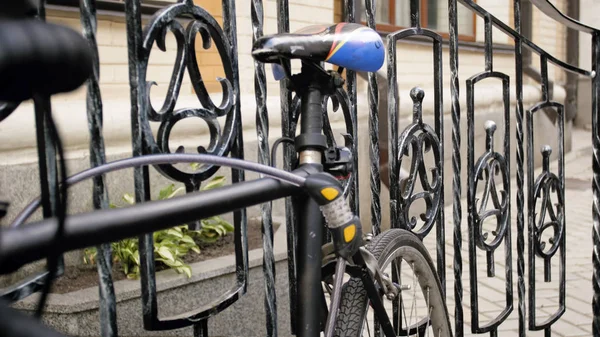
{"x":40,"y":57}
{"x":14,"y":323}
{"x":19,"y":9}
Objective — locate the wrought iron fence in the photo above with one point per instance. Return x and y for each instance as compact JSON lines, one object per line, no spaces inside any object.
{"x":488,"y":171}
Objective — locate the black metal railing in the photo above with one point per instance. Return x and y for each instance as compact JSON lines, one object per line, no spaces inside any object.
{"x":487,"y":187}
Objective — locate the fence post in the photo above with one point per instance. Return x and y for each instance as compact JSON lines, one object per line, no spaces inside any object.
{"x":596,"y":182}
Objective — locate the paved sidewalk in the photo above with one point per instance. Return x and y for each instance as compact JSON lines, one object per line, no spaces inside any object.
{"x":577,"y":320}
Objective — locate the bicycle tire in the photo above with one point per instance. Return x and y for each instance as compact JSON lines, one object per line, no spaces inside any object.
{"x":354,"y":301}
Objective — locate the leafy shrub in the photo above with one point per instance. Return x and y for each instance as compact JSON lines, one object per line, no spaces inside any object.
{"x":170,"y":245}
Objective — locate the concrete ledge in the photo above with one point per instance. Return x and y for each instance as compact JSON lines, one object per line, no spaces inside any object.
{"x":76,"y":313}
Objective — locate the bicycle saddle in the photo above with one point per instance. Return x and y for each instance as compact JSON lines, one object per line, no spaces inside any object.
{"x":39,"y":57}
{"x":347,"y":45}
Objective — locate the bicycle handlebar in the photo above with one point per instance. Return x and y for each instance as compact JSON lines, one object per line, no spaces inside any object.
{"x":34,"y":241}
{"x":41,"y":58}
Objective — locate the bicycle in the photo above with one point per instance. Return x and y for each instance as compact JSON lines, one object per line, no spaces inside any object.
{"x":320,"y":197}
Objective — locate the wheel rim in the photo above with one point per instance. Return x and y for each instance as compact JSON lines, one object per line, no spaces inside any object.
{"x":412,"y":311}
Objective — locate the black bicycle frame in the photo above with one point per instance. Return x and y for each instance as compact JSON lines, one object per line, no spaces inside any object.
{"x":37,"y":240}
{"x":22,"y":245}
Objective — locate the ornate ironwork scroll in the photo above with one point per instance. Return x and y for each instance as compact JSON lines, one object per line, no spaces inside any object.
{"x":416,"y":140}
{"x":489,"y":183}
{"x":223,"y":140}
{"x":546,"y":221}
{"x":490,"y":175}
{"x":520,"y":42}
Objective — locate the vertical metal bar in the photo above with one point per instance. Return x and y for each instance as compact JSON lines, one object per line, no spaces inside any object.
{"x":520,"y":170}
{"x":283,"y":26}
{"x":374,"y":135}
{"x":489,"y":61}
{"x":561,"y":119}
{"x":596,"y":182}
{"x":237,"y":150}
{"x":47,"y":162}
{"x":350,"y":16}
{"x":239,"y":217}
{"x":107,"y":306}
{"x":456,"y":165}
{"x":471,"y":212}
{"x":393,"y":110}
{"x":262,"y":130}
{"x":530,"y":215}
{"x":393,"y":171}
{"x":48,"y":172}
{"x":572,"y":44}
{"x":544,"y":77}
{"x":201,"y":329}
{"x":415,"y":13}
{"x":141,"y":177}
{"x":439,"y":130}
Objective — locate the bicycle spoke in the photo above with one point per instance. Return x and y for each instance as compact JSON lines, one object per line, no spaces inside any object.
{"x":414,"y":301}
{"x":368,"y":328}
{"x":396,"y":270}
{"x":429,"y":315}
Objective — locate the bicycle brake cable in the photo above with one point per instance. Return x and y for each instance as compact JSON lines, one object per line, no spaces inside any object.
{"x":158,"y":159}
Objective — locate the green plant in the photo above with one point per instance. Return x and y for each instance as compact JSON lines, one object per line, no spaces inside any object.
{"x":170,"y":245}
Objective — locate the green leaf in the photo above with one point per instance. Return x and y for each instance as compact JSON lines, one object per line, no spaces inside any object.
{"x":128,"y":198}
{"x":188,"y":239}
{"x":207,"y":239}
{"x":214,"y":183}
{"x":174,"y":193}
{"x":173,"y":264}
{"x":195,"y":166}
{"x":228,"y":227}
{"x":166,"y":191}
{"x":187,"y":270}
{"x":136,"y":258}
{"x":174,"y":233}
{"x":195,"y":249}
{"x":165,"y":253}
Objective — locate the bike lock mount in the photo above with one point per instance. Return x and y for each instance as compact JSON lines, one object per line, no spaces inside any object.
{"x":345,"y":227}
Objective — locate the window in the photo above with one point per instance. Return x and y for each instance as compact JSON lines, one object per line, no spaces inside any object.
{"x":392,"y":15}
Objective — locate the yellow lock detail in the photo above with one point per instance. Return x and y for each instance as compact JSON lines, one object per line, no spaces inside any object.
{"x":330,"y":193}
{"x":349,"y":232}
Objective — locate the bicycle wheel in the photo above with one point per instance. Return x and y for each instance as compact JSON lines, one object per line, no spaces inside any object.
{"x":400,"y":254}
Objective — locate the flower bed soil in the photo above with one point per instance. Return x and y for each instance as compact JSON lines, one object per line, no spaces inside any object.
{"x":85,"y":276}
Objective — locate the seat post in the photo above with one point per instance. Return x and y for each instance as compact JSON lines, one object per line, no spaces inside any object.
{"x":311,"y":142}
{"x":311,"y":84}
